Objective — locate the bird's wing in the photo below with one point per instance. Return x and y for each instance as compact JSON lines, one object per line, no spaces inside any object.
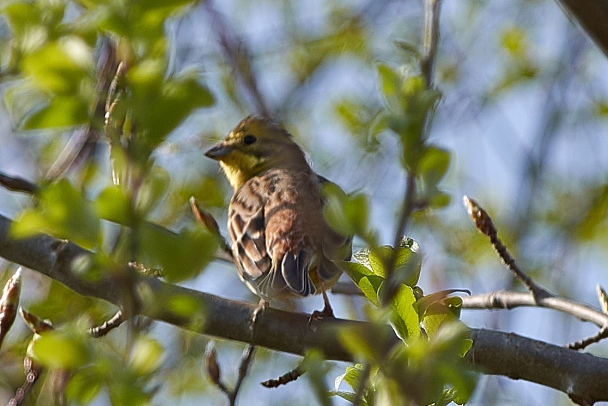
{"x":246,"y":224}
{"x":289,"y":242}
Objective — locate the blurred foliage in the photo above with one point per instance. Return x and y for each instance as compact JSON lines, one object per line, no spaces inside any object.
{"x":352,"y":66}
{"x":416,"y":371}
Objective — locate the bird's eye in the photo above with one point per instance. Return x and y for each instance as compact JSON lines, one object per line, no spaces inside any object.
{"x":249,"y":139}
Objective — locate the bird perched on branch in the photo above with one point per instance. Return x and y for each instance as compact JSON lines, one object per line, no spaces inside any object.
{"x":281,"y":244}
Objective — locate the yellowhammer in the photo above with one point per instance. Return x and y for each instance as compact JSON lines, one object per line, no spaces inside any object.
{"x":280,"y":241}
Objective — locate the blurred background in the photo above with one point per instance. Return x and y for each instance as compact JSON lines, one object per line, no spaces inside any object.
{"x":523,"y":112}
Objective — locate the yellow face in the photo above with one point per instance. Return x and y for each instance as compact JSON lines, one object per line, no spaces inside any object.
{"x":254,"y":146}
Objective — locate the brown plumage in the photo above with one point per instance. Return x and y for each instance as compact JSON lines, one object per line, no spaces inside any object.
{"x":280,"y":241}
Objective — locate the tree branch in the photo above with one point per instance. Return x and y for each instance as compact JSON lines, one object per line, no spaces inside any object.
{"x":582,"y":376}
{"x":592,"y":15}
{"x":502,"y":299}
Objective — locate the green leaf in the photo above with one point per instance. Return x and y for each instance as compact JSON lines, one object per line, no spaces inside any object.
{"x":153,"y":190}
{"x":348,"y":396}
{"x":60,"y":66}
{"x":181,"y":256}
{"x":346,"y":214}
{"x":59,"y":350}
{"x":352,"y":376}
{"x":63,"y":213}
{"x":390,"y":83}
{"x":366,"y":281}
{"x":370,"y":342}
{"x":439,"y":199}
{"x":146,"y":355}
{"x":60,"y":111}
{"x":434,"y":165}
{"x":404,"y":317}
{"x":437,"y":309}
{"x":113,"y":204}
{"x":362,"y":257}
{"x":428,"y":300}
{"x":407,"y":266}
{"x":160,"y":104}
{"x":83,"y":387}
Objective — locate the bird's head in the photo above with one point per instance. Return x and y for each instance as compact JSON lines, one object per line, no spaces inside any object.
{"x":255,"y":145}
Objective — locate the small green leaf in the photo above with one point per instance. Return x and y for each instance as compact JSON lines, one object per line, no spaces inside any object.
{"x":63,"y":213}
{"x":146,"y":355}
{"x":61,"y":111}
{"x":153,"y":190}
{"x":362,"y":257}
{"x":404,"y":317}
{"x":370,"y":342}
{"x":390,"y":82}
{"x":434,"y":165}
{"x":113,"y":204}
{"x":378,"y":259}
{"x":407,"y":265}
{"x":352,"y":376}
{"x":161,"y":104}
{"x":83,"y":387}
{"x":59,"y":350}
{"x":60,"y":66}
{"x":366,"y":281}
{"x":181,"y":256}
{"x":348,"y":396}
{"x":347,"y":214}
{"x":437,"y":310}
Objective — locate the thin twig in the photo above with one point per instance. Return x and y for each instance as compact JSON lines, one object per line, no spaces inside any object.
{"x":32,"y":373}
{"x":285,"y":378}
{"x":238,"y":57}
{"x":484,"y":224}
{"x":17,"y":184}
{"x":81,"y":143}
{"x":109,"y":325}
{"x":427,"y":62}
{"x":214,"y":370}
{"x":209,"y":222}
{"x":246,"y":359}
{"x":9,"y":303}
{"x":585,"y":342}
{"x":603,"y":298}
{"x":503,"y":299}
{"x":431,"y":37}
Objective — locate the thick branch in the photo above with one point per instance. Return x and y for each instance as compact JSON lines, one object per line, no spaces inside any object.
{"x":592,"y":15}
{"x":581,"y":376}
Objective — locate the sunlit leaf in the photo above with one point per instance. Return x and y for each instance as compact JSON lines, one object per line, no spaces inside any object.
{"x":113,"y":204}
{"x":61,"y":111}
{"x":146,"y":355}
{"x":181,"y":256}
{"x":434,"y":165}
{"x":439,"y":312}
{"x":404,"y":318}
{"x":364,"y":279}
{"x":161,"y":104}
{"x":59,"y":350}
{"x":63,"y":213}
{"x":407,"y":267}
{"x":59,"y":67}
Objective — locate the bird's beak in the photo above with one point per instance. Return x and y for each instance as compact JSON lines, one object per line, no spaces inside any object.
{"x":218,"y":151}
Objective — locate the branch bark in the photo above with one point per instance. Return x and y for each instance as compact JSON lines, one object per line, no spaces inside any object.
{"x":592,"y":15}
{"x":582,"y":376}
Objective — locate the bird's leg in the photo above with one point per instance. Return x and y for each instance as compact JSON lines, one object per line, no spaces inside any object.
{"x":262,"y":305}
{"x":327,"y":310}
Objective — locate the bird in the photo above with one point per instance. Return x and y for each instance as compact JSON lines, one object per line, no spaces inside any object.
{"x":281,"y":243}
